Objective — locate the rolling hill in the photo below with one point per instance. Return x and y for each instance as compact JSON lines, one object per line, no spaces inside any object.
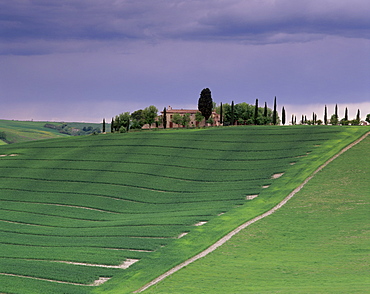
{"x":22,"y":131}
{"x":122,"y":209}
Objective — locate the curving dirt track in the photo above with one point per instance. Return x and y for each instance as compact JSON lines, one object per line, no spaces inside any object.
{"x":243,"y":226}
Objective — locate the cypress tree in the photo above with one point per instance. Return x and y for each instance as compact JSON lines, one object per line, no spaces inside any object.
{"x":111,"y":126}
{"x":346,"y":114}
{"x":256,"y":112}
{"x":283,"y":116}
{"x":326,"y":116}
{"x":302,"y":121}
{"x":274,"y":115}
{"x":205,"y":103}
{"x":305,"y":119}
{"x":336,"y":111}
{"x":292,"y":119}
{"x":358,"y":118}
{"x":265,"y":113}
{"x":221,"y":118}
{"x":232,"y":113}
{"x":295,"y":119}
{"x":164,"y":121}
{"x":103,"y":125}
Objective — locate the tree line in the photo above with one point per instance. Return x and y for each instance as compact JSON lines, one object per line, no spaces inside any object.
{"x":230,"y":114}
{"x":333,"y":120}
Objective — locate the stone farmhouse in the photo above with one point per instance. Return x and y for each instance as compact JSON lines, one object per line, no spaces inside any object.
{"x":193,"y":123}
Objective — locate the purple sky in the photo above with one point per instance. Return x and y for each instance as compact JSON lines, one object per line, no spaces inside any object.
{"x":74,"y":60}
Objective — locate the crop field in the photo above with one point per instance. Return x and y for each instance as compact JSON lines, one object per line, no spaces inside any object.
{"x":128,"y":207}
{"x":317,"y":243}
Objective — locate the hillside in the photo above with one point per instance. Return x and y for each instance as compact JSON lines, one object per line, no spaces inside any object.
{"x":152,"y":198}
{"x":317,"y":243}
{"x":12,"y":131}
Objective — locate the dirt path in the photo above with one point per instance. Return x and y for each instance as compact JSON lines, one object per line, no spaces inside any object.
{"x":243,"y":226}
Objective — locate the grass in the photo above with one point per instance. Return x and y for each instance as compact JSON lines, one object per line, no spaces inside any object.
{"x":103,"y":199}
{"x":23,"y":131}
{"x":317,"y":243}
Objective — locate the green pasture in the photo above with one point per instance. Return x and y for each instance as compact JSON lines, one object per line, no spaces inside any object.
{"x":317,"y":243}
{"x":22,"y":131}
{"x":101,"y":200}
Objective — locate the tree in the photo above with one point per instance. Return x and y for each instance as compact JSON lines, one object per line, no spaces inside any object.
{"x":283,"y":116}
{"x":177,"y":119}
{"x":265,"y":111}
{"x":210,"y":120}
{"x":368,"y":118}
{"x":116,"y":123}
{"x":326,"y":115}
{"x":274,"y":114}
{"x":149,"y":114}
{"x":112,"y":126}
{"x":232,"y":113}
{"x":256,"y":112}
{"x":164,"y":119}
{"x":198,"y":117}
{"x":137,"y":119}
{"x":244,"y":114}
{"x":292,"y":119}
{"x":103,"y":125}
{"x":205,"y":103}
{"x":336,"y":111}
{"x":221,"y":118}
{"x":185,"y":120}
{"x":121,"y":122}
{"x":346,"y":114}
{"x":358,"y":117}
{"x":334,"y":120}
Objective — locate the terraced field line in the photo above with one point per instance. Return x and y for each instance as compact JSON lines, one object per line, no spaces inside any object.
{"x":96,"y":283}
{"x":243,"y":226}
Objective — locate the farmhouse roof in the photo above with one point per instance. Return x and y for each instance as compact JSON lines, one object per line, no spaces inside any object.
{"x":170,"y":110}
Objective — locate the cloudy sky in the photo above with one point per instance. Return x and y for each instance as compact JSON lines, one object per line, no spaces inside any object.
{"x":82,"y":60}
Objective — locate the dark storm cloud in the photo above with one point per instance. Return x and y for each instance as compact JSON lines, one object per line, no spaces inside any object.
{"x":263,"y":21}
{"x":62,"y":58}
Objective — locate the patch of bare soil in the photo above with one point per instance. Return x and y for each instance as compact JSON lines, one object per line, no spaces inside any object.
{"x":126,"y":264}
{"x":251,"y":197}
{"x":182,"y":235}
{"x":200,"y":224}
{"x":276,"y":176}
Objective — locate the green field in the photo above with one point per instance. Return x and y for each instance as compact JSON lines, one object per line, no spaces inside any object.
{"x":23,"y":131}
{"x":317,"y":243}
{"x":104,"y":199}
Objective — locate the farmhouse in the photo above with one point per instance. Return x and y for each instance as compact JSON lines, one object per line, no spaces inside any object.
{"x":193,"y":123}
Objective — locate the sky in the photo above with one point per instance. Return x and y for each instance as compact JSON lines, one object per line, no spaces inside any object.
{"x":85,"y":60}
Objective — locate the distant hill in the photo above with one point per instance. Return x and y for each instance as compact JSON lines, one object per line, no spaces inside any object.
{"x":12,"y":131}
